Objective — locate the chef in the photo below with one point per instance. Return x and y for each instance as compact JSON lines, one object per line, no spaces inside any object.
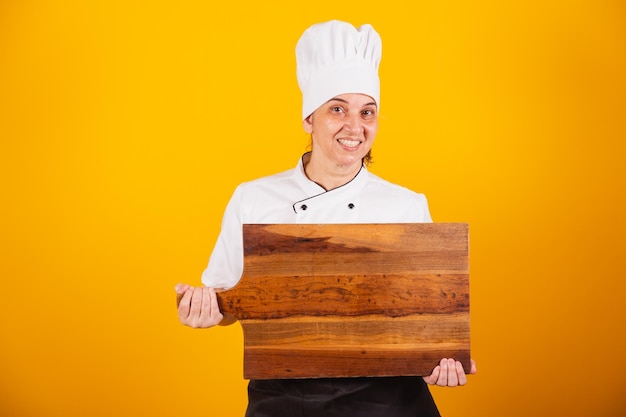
{"x":337,"y":71}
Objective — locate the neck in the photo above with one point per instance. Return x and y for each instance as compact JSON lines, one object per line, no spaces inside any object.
{"x":329,"y":175}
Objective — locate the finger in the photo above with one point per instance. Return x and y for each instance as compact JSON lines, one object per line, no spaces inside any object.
{"x":184,"y":304}
{"x":473,"y":367}
{"x":181,"y":288}
{"x":461,"y":373}
{"x":432,"y":378}
{"x":453,"y":377}
{"x":215,"y":307}
{"x":443,"y":373}
{"x":196,"y":304}
{"x":205,"y":313}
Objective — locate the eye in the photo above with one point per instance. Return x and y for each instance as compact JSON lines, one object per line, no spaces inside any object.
{"x":368,"y":112}
{"x":336,"y":109}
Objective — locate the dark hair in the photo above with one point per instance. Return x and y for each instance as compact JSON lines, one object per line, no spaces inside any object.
{"x":368,"y":159}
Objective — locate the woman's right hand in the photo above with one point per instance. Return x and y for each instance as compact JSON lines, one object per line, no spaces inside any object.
{"x":197,"y":307}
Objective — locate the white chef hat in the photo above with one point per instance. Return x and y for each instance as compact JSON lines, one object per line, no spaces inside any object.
{"x":336,"y":58}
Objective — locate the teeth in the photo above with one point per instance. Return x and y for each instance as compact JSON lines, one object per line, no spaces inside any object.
{"x":349,"y":143}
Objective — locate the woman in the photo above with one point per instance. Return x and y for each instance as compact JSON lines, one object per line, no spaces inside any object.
{"x":337,"y":69}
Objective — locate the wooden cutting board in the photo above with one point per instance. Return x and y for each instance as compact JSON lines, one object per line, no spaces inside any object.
{"x":347,"y":300}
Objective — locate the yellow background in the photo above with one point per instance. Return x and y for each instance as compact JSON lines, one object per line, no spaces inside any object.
{"x":126,"y":125}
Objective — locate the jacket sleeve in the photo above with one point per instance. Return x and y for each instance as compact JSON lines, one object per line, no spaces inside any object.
{"x":226,"y":262}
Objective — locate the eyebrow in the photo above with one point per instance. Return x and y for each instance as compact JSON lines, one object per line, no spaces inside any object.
{"x":346,"y":101}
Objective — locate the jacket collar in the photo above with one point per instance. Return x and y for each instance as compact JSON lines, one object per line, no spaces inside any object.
{"x":312,"y":189}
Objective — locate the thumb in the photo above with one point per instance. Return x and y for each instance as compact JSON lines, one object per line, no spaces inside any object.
{"x":181,"y":288}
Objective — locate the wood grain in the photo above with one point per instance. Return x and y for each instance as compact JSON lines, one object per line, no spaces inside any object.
{"x":339,"y":300}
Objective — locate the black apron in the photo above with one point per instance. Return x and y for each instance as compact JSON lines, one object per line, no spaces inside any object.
{"x":334,"y":397}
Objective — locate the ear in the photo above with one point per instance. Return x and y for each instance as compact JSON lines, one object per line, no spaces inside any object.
{"x":307,"y":124}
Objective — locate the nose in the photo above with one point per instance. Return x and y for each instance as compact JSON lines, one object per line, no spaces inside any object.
{"x":353,"y":124}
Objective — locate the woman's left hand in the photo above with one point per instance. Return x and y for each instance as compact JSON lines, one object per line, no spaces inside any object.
{"x":449,"y":373}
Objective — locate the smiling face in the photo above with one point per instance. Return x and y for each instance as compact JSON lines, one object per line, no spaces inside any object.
{"x":343,"y":131}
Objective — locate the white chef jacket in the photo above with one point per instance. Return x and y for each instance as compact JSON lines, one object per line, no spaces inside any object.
{"x":291,"y":197}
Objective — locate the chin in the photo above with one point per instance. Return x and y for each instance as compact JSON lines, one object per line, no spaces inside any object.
{"x":350,"y":161}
